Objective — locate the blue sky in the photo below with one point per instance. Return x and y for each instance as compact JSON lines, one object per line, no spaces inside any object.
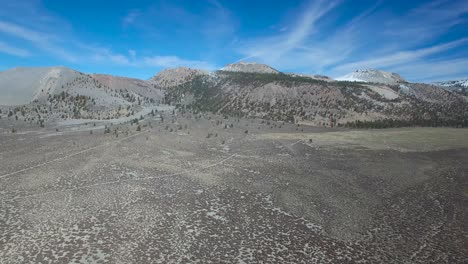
{"x":421,"y":40}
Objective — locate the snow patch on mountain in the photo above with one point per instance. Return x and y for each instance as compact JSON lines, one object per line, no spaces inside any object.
{"x":453,"y":85}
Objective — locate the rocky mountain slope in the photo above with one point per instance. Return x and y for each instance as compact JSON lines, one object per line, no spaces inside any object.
{"x":380,"y":99}
{"x":305,"y":100}
{"x":373,"y":76}
{"x":23,"y":85}
{"x":38,"y":94}
{"x":175,"y":76}
{"x":140,"y":87}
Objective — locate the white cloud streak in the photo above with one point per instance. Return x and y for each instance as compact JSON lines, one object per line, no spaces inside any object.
{"x":433,"y":70}
{"x":131,"y":17}
{"x":89,"y":53}
{"x":374,"y":38}
{"x":427,"y":21}
{"x":275,"y":48}
{"x":398,"y":58}
{"x":42,"y":40}
{"x":11,"y":50}
{"x":174,"y":61}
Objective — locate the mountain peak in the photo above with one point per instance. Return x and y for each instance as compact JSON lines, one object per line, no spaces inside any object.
{"x":251,"y":67}
{"x":372,"y":75}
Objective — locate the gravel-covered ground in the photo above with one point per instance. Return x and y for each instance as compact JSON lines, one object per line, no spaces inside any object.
{"x":253,"y":192}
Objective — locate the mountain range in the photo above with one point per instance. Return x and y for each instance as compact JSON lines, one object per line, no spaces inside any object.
{"x":363,"y":98}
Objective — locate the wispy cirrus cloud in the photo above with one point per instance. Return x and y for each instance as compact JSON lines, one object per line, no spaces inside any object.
{"x":443,"y":69}
{"x":428,"y":20}
{"x":39,"y":34}
{"x":274,"y":48}
{"x":131,"y":17}
{"x":175,"y":61}
{"x":304,"y":46}
{"x":11,"y":50}
{"x":86,"y":53}
{"x":42,"y":40}
{"x":316,"y":36}
{"x":374,"y":38}
{"x":131,"y":59}
{"x":398,"y":58}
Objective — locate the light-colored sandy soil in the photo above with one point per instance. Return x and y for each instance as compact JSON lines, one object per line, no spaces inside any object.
{"x":211,"y":193}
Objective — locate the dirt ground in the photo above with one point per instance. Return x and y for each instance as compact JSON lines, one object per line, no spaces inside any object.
{"x":216,"y":190}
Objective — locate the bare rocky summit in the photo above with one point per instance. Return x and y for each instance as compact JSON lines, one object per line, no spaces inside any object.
{"x":251,"y":67}
{"x":373,"y":76}
{"x":175,"y":76}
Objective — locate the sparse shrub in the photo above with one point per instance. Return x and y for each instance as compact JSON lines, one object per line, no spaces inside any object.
{"x":246,"y":132}
{"x":138,"y":128}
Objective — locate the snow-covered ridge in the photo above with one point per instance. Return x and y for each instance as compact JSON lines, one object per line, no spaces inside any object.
{"x":252,"y":67}
{"x":456,"y":83}
{"x":372,"y":75}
